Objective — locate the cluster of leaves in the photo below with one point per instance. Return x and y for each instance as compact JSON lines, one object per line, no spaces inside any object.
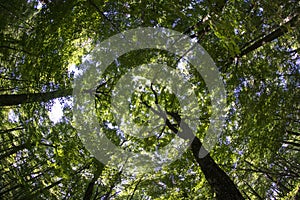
{"x":255,"y":45}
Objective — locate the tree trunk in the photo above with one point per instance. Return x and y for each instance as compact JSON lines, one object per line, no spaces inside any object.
{"x":220,"y":182}
{"x":16,"y":99}
{"x":89,"y":190}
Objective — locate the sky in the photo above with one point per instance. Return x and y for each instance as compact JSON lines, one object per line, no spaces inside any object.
{"x":56,"y":112}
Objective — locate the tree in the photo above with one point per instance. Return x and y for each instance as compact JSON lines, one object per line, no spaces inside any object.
{"x":256,"y":48}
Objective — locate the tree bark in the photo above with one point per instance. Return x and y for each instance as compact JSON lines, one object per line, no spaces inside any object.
{"x":219,"y":181}
{"x":89,"y":190}
{"x":16,"y":99}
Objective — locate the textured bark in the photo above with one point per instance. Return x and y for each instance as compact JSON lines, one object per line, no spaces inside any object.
{"x":220,"y":182}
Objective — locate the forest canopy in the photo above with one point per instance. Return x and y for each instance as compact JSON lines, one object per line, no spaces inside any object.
{"x":254,"y":47}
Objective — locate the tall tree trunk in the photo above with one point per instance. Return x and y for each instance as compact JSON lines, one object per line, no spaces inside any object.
{"x":219,"y":181}
{"x":89,"y":190}
{"x":16,"y":99}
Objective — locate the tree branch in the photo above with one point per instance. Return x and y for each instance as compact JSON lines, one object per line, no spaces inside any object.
{"x":291,"y":21}
{"x":219,"y":181}
{"x":103,"y":15}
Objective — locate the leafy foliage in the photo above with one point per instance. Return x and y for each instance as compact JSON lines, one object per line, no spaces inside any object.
{"x":255,"y":45}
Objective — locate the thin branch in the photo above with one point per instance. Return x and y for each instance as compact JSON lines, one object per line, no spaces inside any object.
{"x":254,"y":192}
{"x":18,"y":50}
{"x":135,"y":188}
{"x":103,"y":15}
{"x":12,"y":129}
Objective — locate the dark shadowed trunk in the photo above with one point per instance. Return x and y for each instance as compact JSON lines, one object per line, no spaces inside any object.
{"x":89,"y":190}
{"x":16,"y":99}
{"x":219,"y":181}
